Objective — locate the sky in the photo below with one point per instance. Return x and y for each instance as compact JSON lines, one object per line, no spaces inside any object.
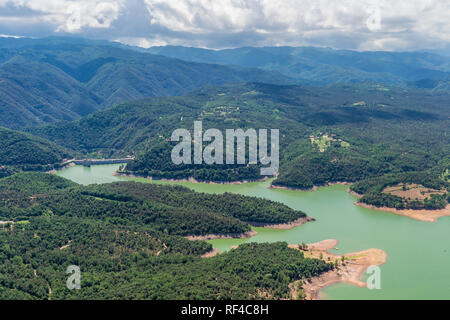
{"x":392,"y":25}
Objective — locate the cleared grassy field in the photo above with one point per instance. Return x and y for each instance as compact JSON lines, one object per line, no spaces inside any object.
{"x":412,"y":191}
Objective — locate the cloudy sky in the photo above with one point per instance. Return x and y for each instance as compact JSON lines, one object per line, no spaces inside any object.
{"x":344,"y":24}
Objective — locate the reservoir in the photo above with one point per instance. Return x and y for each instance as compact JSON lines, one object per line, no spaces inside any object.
{"x":418,"y":265}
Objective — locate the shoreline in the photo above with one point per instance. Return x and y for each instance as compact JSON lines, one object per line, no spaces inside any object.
{"x":350,"y":271}
{"x":244,"y":235}
{"x":252,"y":233}
{"x":79,"y":162}
{"x":353,"y":193}
{"x":310,"y":189}
{"x":283,"y":226}
{"x":423,"y":215}
{"x":66,"y":166}
{"x":212,"y":253}
{"x":191,"y":179}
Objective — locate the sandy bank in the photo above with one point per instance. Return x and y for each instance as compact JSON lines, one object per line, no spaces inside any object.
{"x":350,"y":271}
{"x":244,"y":235}
{"x":214,"y":252}
{"x":283,"y":226}
{"x":353,"y":193}
{"x":422,"y":215}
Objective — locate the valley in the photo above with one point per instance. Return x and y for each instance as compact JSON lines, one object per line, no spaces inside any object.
{"x":322,"y":140}
{"x":87,"y":176}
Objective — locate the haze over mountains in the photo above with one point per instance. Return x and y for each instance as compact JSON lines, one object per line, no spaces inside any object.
{"x":321,"y":66}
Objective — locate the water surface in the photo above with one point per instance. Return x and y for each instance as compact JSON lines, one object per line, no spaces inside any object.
{"x":418,"y":265}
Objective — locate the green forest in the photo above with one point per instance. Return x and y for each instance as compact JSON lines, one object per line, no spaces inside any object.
{"x":63,"y":79}
{"x":340,"y":133}
{"x":156,"y":162}
{"x":128,"y":239}
{"x":377,"y":120}
{"x":372,"y":130}
{"x":22,"y":151}
{"x":372,"y":191}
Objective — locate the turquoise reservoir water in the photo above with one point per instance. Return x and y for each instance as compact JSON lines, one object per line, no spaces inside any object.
{"x":418,"y":265}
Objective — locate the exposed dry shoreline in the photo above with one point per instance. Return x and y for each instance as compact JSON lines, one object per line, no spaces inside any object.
{"x":283,"y":226}
{"x":252,"y":233}
{"x":421,"y":215}
{"x":244,"y":235}
{"x":214,"y":252}
{"x":354,"y":266}
{"x":353,"y":193}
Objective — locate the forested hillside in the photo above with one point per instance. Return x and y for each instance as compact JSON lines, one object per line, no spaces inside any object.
{"x":332,"y":134}
{"x":247,"y":209}
{"x":126,"y":239}
{"x":174,"y":210}
{"x":435,"y":85}
{"x":51,"y":79}
{"x":22,"y":151}
{"x":25,"y":185}
{"x":413,"y":190}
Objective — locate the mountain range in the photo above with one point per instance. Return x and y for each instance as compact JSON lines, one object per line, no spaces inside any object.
{"x":320,"y":66}
{"x":52,"y":79}
{"x":63,"y":78}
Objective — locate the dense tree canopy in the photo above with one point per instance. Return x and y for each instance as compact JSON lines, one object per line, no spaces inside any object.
{"x":22,"y":151}
{"x":338,"y":133}
{"x":372,"y":191}
{"x":127,"y":240}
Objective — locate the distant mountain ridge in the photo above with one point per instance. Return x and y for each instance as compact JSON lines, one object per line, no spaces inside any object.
{"x":48,"y":80}
{"x":321,"y":66}
{"x":52,"y":79}
{"x":436,"y":85}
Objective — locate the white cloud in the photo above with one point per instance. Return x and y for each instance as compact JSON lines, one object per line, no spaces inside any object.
{"x":10,"y":36}
{"x":142,"y":42}
{"x":71,"y":16}
{"x":381,"y":21}
{"x":349,"y":24}
{"x":206,"y":16}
